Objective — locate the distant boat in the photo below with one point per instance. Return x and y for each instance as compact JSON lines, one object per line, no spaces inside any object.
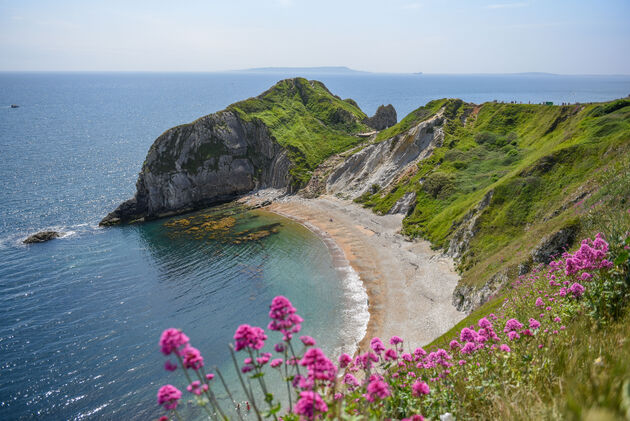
{"x":15,"y":106}
{"x":417,"y":73}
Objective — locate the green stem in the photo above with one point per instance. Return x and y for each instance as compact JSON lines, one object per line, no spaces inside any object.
{"x":240,"y":378}
{"x":228,"y":393}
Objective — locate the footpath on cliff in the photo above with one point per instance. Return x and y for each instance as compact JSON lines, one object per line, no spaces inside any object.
{"x":409,"y":286}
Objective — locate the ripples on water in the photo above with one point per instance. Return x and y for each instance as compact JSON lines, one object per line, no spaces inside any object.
{"x":80,"y":316}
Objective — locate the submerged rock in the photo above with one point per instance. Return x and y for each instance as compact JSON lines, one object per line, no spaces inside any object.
{"x":41,"y":237}
{"x":384,"y":117}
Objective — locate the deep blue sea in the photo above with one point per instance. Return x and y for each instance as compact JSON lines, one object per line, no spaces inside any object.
{"x":80,"y":316}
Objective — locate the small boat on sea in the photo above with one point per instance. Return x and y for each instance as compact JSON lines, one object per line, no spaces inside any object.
{"x":15,"y":106}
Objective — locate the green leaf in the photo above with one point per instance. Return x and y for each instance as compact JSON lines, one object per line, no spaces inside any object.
{"x":623,"y":256}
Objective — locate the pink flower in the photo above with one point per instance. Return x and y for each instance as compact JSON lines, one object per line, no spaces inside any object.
{"x":539,"y":302}
{"x":279,"y":347}
{"x":377,"y":345}
{"x":318,"y":365}
{"x":307,"y":340}
{"x":283,"y":317}
{"x":419,"y":352}
{"x":586,"y":276}
{"x":395,"y":340}
{"x":484,"y":323}
{"x":468,"y":334}
{"x":192,"y":358}
{"x":169,"y":366}
{"x":414,"y":418}
{"x":468,"y":348}
{"x":533,"y":323}
{"x":171,"y":340}
{"x":377,"y":388}
{"x":168,"y":396}
{"x":454,"y":344}
{"x":420,"y":388}
{"x":209,"y":376}
{"x":512,"y":324}
{"x":390,"y":354}
{"x":276,"y":363}
{"x":505,"y":348}
{"x":513,"y":335}
{"x":350,"y":380}
{"x":247,"y":336}
{"x":197,"y":388}
{"x":309,"y":404}
{"x":577,"y":290}
{"x":344,"y":360}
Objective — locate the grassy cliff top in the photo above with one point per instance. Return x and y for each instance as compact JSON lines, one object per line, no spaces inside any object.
{"x":546,"y":166}
{"x":307,"y":119}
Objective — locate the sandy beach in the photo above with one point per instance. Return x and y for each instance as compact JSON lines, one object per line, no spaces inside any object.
{"x":409,"y":286}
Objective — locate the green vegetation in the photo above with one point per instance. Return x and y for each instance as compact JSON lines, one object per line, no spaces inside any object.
{"x":543,"y":164}
{"x":307,"y":119}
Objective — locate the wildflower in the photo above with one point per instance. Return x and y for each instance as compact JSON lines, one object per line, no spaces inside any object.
{"x":318,"y":365}
{"x":468,"y":348}
{"x":247,"y":336}
{"x":263,"y":359}
{"x":420,"y":388}
{"x":395,"y":340}
{"x":283,"y":316}
{"x":171,"y":340}
{"x":197,"y":388}
{"x":586,"y":276}
{"x":168,"y":396}
{"x":246,"y":369}
{"x":169,"y":366}
{"x":484,"y":323}
{"x":307,"y":340}
{"x":454,"y":344}
{"x":309,"y":404}
{"x":390,"y":354}
{"x":577,"y":290}
{"x":513,"y":335}
{"x":468,"y":334}
{"x":338,"y":396}
{"x":407,"y":357}
{"x":276,"y":363}
{"x":377,"y":388}
{"x":163,"y":418}
{"x":377,"y":345}
{"x":512,"y":324}
{"x":419,"y":352}
{"x":539,"y":302}
{"x":279,"y":348}
{"x":557,"y":319}
{"x":209,"y":376}
{"x":533,"y":323}
{"x":192,"y":358}
{"x":414,"y":418}
{"x":461,"y":362}
{"x":344,"y":360}
{"x":350,"y":380}
{"x":505,"y":348}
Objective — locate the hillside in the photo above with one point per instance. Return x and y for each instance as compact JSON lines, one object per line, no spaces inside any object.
{"x":505,"y":176}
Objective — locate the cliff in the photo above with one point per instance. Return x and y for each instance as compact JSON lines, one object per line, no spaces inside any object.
{"x":273,"y":140}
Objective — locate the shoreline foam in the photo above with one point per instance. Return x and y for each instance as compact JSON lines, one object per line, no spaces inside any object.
{"x":409,"y":286}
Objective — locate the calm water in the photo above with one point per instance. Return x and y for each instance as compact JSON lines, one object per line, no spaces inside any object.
{"x":80,"y":316}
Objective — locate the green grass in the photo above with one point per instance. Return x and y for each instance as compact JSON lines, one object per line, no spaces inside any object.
{"x":534,"y":158}
{"x":306,"y":118}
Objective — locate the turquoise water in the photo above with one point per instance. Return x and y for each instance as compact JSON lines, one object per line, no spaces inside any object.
{"x":80,"y":316}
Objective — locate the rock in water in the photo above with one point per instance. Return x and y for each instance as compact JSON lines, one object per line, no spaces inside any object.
{"x":385,"y":117}
{"x":41,"y":237}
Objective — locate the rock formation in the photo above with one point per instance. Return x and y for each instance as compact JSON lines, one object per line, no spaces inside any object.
{"x":384,"y":117}
{"x":41,"y":237}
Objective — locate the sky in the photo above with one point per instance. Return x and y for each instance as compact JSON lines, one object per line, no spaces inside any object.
{"x":396,"y":36}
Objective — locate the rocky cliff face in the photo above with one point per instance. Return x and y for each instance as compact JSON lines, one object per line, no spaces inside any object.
{"x":213,"y":159}
{"x":384,"y":117}
{"x":379,"y":164}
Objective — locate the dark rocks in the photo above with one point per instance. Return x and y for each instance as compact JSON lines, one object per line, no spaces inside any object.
{"x":385,"y":117}
{"x":552,"y":246}
{"x":468,"y":298}
{"x":215,"y":159}
{"x":41,"y":237}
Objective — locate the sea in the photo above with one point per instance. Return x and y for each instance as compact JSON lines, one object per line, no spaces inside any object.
{"x":81,"y":316}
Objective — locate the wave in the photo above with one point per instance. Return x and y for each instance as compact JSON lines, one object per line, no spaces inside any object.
{"x":355,"y":315}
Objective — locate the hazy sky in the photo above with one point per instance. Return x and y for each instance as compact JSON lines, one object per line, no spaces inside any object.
{"x":450,"y":36}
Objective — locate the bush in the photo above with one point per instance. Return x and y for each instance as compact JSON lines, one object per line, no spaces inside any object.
{"x":439,"y":185}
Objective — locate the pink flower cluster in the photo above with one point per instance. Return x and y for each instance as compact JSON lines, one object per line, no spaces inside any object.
{"x":172,"y":340}
{"x":247,"y":336}
{"x":168,"y":395}
{"x":283,"y":317}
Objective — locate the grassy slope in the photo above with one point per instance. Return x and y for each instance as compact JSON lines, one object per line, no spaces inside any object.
{"x":534,"y":157}
{"x":307,"y":119}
